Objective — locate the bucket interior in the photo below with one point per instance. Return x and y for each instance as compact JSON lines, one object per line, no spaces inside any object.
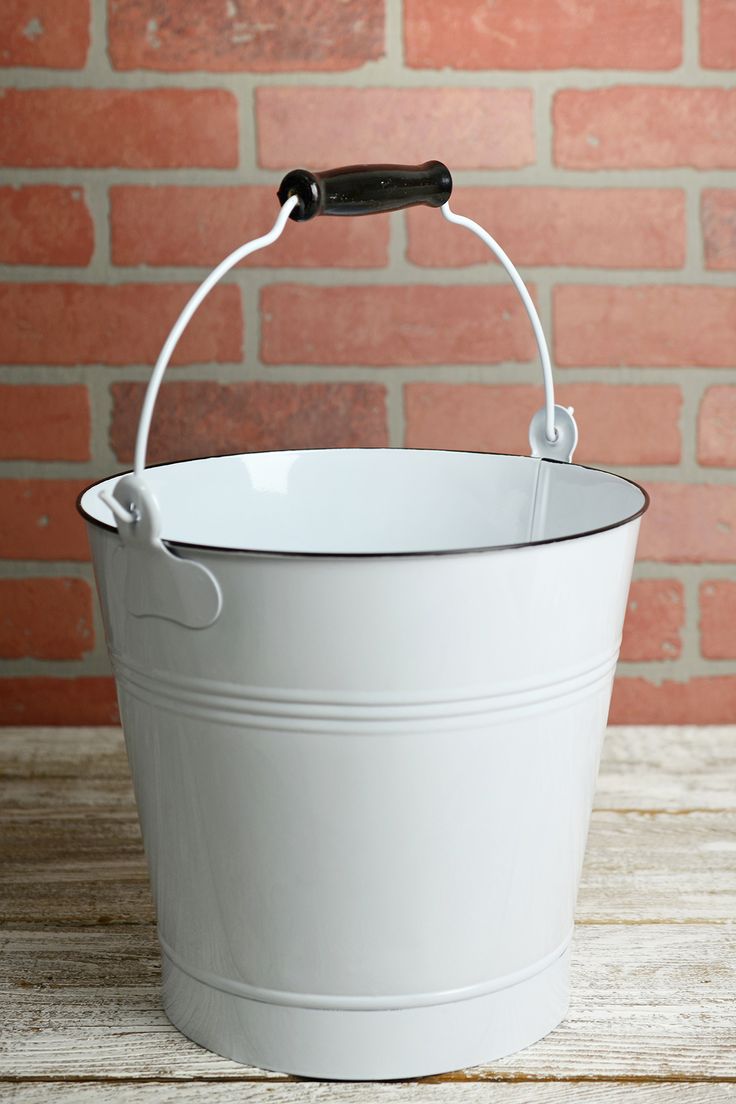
{"x":378,"y":501}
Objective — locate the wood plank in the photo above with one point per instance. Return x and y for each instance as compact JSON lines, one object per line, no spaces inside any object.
{"x":305,"y":1092}
{"x":643,"y":767}
{"x":640,"y":867}
{"x":651,"y":1002}
{"x":62,"y":753}
{"x":668,"y":768}
{"x":116,"y":893}
{"x":66,"y":796}
{"x":659,"y":866}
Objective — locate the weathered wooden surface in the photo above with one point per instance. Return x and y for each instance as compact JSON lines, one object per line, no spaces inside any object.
{"x":396,"y":1093}
{"x":652,"y":1002}
{"x":62,"y":753}
{"x":676,"y":768}
{"x":653,"y":1015}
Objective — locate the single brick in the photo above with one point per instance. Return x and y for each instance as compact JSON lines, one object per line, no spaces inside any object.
{"x":690,"y":523}
{"x":659,"y":327}
{"x":718,"y":34}
{"x":44,"y":422}
{"x":609,"y":227}
{"x":173,"y":225}
{"x":706,"y":700}
{"x":469,"y":128}
{"x":44,"y":33}
{"x":45,"y":618}
{"x":58,"y":701}
{"x":196,"y":419}
{"x":153,"y":128}
{"x":717,"y":427}
{"x":619,"y":424}
{"x":40,"y":520}
{"x":655,"y":614}
{"x":718,"y":221}
{"x":45,"y":224}
{"x":718,"y":619}
{"x":423,"y":324}
{"x":115,"y":324}
{"x":543,"y":34}
{"x":630,"y":127}
{"x":229,"y":38}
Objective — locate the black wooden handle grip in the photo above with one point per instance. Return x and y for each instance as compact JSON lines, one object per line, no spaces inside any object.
{"x":366,"y":189}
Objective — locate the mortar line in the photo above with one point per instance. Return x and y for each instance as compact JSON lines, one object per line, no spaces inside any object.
{"x":487,"y":274}
{"x":694,"y":266}
{"x":486,"y":371}
{"x":690,"y":39}
{"x":636,"y":179}
{"x":99,"y":386}
{"x":93,"y":664}
{"x":394,"y":59}
{"x":385,"y":72}
{"x":98,"y":63}
{"x":395,"y":412}
{"x":251,"y":367}
{"x":690,"y":390}
{"x":98,"y":204}
{"x":247,"y":141}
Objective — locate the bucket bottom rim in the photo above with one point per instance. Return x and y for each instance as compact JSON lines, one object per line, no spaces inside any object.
{"x":360,"y":1045}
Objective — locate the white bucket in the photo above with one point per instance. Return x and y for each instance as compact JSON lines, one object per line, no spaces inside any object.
{"x":364,"y":694}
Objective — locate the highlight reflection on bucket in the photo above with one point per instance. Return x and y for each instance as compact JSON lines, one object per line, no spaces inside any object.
{"x":364,"y":693}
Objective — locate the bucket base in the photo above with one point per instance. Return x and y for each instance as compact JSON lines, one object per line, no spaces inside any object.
{"x":368,"y":1045}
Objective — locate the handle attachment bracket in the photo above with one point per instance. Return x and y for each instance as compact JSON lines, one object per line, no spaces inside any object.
{"x":155,"y":581}
{"x":563,"y":446}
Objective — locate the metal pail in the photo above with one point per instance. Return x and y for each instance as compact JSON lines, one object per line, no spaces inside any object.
{"x":364,"y":693}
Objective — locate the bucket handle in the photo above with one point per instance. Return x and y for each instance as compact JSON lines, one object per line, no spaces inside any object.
{"x":369,"y":189}
{"x":354,"y":190}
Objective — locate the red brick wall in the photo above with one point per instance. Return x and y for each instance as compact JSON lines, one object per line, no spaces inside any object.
{"x":141,"y":140}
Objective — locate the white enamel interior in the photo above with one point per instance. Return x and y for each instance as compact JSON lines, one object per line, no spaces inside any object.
{"x":334,"y":501}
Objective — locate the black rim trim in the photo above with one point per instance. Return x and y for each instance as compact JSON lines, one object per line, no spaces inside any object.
{"x":376,"y":555}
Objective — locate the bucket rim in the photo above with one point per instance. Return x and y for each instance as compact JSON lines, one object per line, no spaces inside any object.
{"x":423,"y":554}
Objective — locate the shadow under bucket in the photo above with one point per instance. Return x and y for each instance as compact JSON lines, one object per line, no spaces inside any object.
{"x":364,"y":693}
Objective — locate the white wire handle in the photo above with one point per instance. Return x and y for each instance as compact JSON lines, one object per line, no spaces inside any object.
{"x":149,"y":402}
{"x":549,"y":388}
{"x":560,"y":432}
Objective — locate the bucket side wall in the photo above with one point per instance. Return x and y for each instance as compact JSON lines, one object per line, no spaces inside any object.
{"x":372,"y":776}
{"x":394,"y":629}
{"x":399,"y":865}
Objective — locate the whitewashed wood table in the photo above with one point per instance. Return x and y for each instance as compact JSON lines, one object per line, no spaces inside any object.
{"x":653,"y":1014}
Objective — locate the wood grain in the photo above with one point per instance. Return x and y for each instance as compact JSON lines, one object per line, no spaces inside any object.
{"x":642,"y":867}
{"x":669,"y":768}
{"x":62,"y":753}
{"x":652,"y":1002}
{"x":301,"y":1092}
